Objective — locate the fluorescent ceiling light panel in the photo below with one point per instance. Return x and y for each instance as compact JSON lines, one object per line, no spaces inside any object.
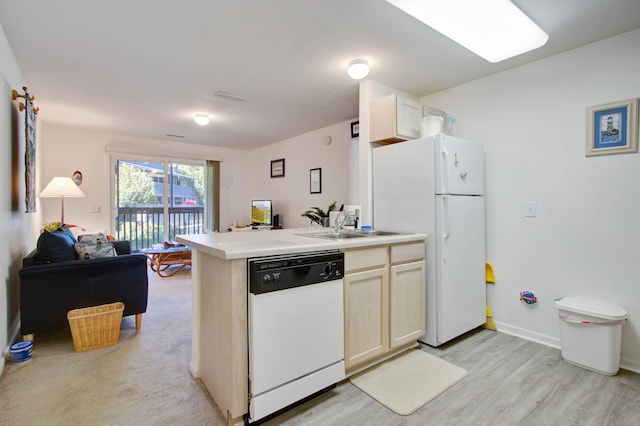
{"x":493,"y":29}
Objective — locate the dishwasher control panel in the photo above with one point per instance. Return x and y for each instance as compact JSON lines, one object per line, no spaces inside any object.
{"x":273,"y":273}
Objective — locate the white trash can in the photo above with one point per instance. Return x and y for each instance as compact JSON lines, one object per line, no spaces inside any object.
{"x":590,"y":333}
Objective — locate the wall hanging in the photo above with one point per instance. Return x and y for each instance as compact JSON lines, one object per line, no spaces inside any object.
{"x":77,"y":177}
{"x":277,"y":168}
{"x":30,"y":147}
{"x":315,"y":181}
{"x":355,"y":129}
{"x":612,"y":128}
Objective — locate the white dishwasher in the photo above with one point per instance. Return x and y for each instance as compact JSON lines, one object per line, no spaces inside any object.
{"x":296,"y":328}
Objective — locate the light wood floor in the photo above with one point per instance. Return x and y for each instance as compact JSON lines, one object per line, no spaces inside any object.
{"x":511,"y":382}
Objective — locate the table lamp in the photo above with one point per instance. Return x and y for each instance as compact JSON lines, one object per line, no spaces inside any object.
{"x":61,"y":187}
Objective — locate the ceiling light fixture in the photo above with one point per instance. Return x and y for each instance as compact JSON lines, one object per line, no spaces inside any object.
{"x":493,"y":29}
{"x":358,"y":69}
{"x":201,"y":119}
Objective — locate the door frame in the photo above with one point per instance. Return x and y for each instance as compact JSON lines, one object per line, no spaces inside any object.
{"x":165,"y":160}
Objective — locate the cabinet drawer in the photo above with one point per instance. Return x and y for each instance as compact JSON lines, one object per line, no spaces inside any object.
{"x":401,"y":253}
{"x":365,"y":258}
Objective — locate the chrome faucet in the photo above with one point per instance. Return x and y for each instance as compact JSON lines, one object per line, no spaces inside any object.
{"x":341,"y":218}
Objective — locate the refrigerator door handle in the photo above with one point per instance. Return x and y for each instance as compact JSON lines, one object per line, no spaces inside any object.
{"x":446,"y":228}
{"x":444,"y":172}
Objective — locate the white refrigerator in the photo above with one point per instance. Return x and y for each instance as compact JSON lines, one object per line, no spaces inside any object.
{"x":435,"y":185}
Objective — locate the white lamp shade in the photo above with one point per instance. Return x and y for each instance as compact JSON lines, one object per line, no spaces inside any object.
{"x":61,"y":187}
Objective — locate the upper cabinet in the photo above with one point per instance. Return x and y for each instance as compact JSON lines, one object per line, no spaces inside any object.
{"x":394,"y":118}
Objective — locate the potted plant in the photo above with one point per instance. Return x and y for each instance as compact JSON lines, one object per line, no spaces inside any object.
{"x":319,"y":216}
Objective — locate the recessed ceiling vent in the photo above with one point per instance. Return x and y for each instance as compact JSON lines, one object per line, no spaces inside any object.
{"x":174,"y":136}
{"x":231,"y":96}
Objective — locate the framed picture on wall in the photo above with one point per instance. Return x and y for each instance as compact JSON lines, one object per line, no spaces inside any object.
{"x":315,"y":181}
{"x":277,"y":168}
{"x":612,"y":128}
{"x":355,"y":129}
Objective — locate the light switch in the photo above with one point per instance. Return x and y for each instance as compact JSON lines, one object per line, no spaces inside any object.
{"x":530,"y":209}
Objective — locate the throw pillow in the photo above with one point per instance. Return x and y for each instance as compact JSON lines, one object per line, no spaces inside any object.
{"x":98,"y":238}
{"x":56,"y":246}
{"x":94,"y":251}
{"x":66,"y":230}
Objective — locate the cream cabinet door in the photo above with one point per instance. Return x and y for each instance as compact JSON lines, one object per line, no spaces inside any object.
{"x":366,"y":299}
{"x":408,"y":113}
{"x":407,"y":303}
{"x":394,"y":118}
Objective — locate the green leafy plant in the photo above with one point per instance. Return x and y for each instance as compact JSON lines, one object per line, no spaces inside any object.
{"x":316,"y":214}
{"x":51,"y":226}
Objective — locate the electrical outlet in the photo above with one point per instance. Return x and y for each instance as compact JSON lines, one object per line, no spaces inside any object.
{"x":530,"y":209}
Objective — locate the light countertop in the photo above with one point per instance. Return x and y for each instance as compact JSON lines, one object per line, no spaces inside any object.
{"x":239,"y":245}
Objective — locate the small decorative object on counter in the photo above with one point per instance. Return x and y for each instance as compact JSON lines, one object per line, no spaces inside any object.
{"x":528,"y":297}
{"x":319,"y":216}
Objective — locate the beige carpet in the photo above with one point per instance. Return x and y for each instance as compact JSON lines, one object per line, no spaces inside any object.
{"x":407,"y":382}
{"x":143,"y":380}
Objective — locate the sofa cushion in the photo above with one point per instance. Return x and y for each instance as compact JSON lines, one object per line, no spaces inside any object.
{"x":98,"y":238}
{"x":56,"y":246}
{"x":94,"y":251}
{"x":66,"y":230}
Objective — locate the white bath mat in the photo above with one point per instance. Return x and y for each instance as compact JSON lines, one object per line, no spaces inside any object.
{"x":407,"y":382}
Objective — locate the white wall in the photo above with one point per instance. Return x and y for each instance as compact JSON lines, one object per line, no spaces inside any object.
{"x":18,"y":230}
{"x":290,"y":194}
{"x":369,"y":91}
{"x":585,"y":238}
{"x":245,"y":175}
{"x":69,"y":149}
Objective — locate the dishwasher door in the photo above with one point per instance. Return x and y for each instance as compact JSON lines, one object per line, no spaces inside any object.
{"x":296,"y":344}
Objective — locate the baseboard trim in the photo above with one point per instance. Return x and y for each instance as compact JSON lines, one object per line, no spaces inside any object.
{"x":14,"y":332}
{"x":543,"y":339}
{"x":523,"y":333}
{"x":629,"y":364}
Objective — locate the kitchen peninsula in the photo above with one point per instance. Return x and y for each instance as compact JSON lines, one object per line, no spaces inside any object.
{"x":383,"y":302}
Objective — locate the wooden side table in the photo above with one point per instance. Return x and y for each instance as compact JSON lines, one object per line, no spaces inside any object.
{"x":162,"y":258}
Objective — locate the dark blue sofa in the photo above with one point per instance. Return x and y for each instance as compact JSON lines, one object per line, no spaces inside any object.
{"x":51,"y":287}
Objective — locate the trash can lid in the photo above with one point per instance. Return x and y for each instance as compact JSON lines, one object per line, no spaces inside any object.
{"x":592,"y":307}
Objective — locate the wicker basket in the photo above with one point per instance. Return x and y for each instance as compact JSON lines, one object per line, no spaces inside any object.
{"x":96,"y":326}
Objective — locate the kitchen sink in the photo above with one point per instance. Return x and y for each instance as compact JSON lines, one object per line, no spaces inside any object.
{"x":369,"y":233}
{"x":344,"y":234}
{"x":333,"y":235}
